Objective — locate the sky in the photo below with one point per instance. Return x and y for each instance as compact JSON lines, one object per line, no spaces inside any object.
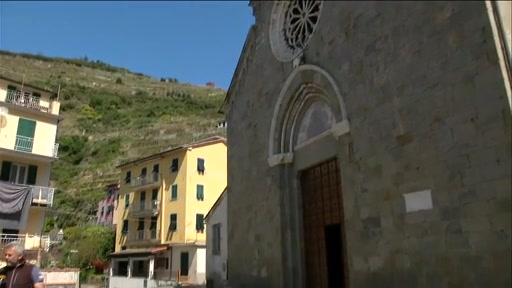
{"x":193,"y":41}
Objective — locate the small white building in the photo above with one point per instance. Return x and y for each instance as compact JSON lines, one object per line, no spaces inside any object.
{"x":217,"y":243}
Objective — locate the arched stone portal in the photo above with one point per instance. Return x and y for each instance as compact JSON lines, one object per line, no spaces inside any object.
{"x":309,"y":118}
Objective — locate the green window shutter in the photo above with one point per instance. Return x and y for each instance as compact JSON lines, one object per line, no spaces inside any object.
{"x":200,"y":192}
{"x":126,"y":200}
{"x":125,"y":227}
{"x":173,"y":224}
{"x":174,"y":165}
{"x":174,"y":192}
{"x":11,"y":88}
{"x":26,"y":128}
{"x":199,"y":222}
{"x":6,"y":171}
{"x":32,"y":175}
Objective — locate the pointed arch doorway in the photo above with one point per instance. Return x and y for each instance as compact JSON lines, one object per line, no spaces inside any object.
{"x":306,"y":145}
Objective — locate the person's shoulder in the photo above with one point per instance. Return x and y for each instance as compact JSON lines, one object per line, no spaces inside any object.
{"x":37,"y":275}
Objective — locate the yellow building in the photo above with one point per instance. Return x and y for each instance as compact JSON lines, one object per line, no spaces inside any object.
{"x":160,"y":213}
{"x":29,"y":117}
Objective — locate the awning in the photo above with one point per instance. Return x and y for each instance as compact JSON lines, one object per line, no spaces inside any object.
{"x":139,"y":252}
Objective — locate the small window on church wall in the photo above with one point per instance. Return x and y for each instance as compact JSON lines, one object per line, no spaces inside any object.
{"x":317,"y":119}
{"x":292,"y":26}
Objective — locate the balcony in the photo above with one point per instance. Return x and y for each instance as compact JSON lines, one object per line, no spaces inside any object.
{"x":145,"y":208}
{"x":24,"y":144}
{"x":150,"y":235}
{"x":42,"y":195}
{"x":25,"y":99}
{"x":145,"y":180}
{"x":31,"y":242}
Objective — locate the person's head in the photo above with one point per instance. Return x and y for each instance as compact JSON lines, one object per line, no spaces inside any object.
{"x":14,"y":253}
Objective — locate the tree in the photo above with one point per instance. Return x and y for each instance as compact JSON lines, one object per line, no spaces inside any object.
{"x":89,"y":244}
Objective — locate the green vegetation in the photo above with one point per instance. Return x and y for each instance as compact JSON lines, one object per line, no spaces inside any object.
{"x":110,"y":115}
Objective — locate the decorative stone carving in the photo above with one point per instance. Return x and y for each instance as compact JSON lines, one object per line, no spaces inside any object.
{"x":291,"y":26}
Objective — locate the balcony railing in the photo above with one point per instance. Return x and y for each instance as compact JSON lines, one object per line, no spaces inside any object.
{"x":143,"y":180}
{"x":144,"y":235}
{"x":55,"y":152}
{"x":30,"y":242}
{"x":24,"y":144}
{"x":42,"y":195}
{"x":19,"y":98}
{"x":152,"y":206}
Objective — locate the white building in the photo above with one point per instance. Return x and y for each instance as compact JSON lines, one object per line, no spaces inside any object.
{"x":217,"y":243}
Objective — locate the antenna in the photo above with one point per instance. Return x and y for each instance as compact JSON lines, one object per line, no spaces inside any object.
{"x":58,"y":93}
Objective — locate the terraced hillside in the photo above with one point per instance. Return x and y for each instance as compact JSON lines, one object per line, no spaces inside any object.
{"x":111,"y":115}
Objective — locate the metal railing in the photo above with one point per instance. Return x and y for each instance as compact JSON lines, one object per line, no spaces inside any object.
{"x":24,"y":144}
{"x":55,"y":152}
{"x":142,"y":180}
{"x":19,"y":98}
{"x":42,"y":195}
{"x":144,"y":235}
{"x":152,"y":206}
{"x":30,"y":242}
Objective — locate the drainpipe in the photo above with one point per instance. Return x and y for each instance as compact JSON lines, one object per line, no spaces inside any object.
{"x":503,"y":57}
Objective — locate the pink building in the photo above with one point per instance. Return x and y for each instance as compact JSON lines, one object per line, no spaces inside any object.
{"x":105,"y":214}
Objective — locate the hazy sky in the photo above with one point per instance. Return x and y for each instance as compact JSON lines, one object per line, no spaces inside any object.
{"x":193,"y":41}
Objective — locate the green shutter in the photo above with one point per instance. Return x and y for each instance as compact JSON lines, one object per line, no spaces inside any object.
{"x":6,"y":171}
{"x":32,"y":175}
{"x":124,"y":230}
{"x":200,"y":192}
{"x":200,"y":222}
{"x":26,"y":128}
{"x":126,"y":200}
{"x":174,"y":192}
{"x":173,"y":223}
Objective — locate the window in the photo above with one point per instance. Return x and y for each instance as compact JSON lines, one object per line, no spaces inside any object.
{"x":143,"y":172}
{"x":128,"y":177}
{"x":162,"y":263}
{"x":102,"y":211}
{"x":18,"y":173}
{"x":173,"y":224}
{"x":200,"y":192}
{"x":9,"y":235}
{"x":216,"y":239}
{"x":174,"y":165}
{"x":124,"y":229}
{"x":126,"y":200}
{"x":120,"y":268}
{"x":109,"y":209}
{"x":200,"y":166}
{"x":25,"y":135}
{"x":174,"y":192}
{"x":154,"y":195}
{"x":152,"y":225}
{"x":200,"y":222}
{"x":11,"y":88}
{"x":140,"y":227}
{"x":156,"y":170}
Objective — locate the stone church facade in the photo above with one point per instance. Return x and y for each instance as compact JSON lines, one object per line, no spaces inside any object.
{"x":369,"y":146}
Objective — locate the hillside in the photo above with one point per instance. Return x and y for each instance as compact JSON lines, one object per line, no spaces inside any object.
{"x":111,"y":115}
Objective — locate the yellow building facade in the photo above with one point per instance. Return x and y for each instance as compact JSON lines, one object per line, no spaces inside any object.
{"x":29,"y":117}
{"x":160,"y":212}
